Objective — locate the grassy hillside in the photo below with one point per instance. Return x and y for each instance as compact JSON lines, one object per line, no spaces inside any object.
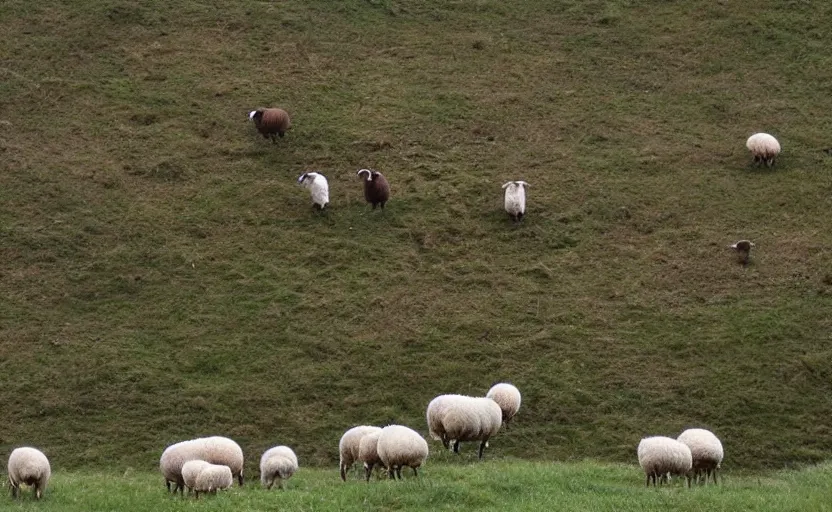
{"x":162,"y":275}
{"x":493,"y":485}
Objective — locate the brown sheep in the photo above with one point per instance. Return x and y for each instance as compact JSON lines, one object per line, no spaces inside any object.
{"x":270,"y":122}
{"x":376,"y":188}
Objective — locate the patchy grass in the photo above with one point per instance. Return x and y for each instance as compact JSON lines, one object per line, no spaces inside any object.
{"x":162,"y":276}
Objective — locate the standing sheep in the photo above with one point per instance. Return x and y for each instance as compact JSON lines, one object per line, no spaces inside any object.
{"x":318,"y":186}
{"x":190,"y":472}
{"x":215,"y":449}
{"x":764,"y":148}
{"x":515,"y":199}
{"x":348,"y":447}
{"x":457,"y":418}
{"x":270,"y":122}
{"x":376,"y":188}
{"x":401,"y":446}
{"x":659,"y":456}
{"x":507,"y":397}
{"x":278,"y":463}
{"x":706,"y":452}
{"x":213,"y":478}
{"x":368,"y":452}
{"x":28,"y":466}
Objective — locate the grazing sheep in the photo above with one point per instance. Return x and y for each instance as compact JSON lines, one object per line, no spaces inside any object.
{"x":706,"y":451}
{"x":764,"y":148}
{"x":213,"y":478}
{"x":457,"y":418}
{"x":318,"y":186}
{"x":348,"y":447}
{"x":401,"y":446}
{"x":515,"y":199}
{"x":743,"y":249}
{"x":507,"y":397}
{"x":278,"y":463}
{"x":31,"y":467}
{"x":270,"y":122}
{"x":368,"y":452}
{"x":376,"y":188}
{"x":190,"y":472}
{"x":660,"y":456}
{"x":216,"y":450}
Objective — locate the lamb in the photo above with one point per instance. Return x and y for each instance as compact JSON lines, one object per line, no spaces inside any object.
{"x":457,"y":418}
{"x":270,"y":122}
{"x":190,"y":472}
{"x":368,"y":452}
{"x":278,"y":463}
{"x":348,"y":447}
{"x":213,"y":478}
{"x":376,"y":188}
{"x":216,"y":450}
{"x":706,"y":451}
{"x":318,"y":186}
{"x":660,"y":456}
{"x":401,"y":446}
{"x":515,"y":199}
{"x":764,"y":148}
{"x":507,"y":397}
{"x":31,"y":467}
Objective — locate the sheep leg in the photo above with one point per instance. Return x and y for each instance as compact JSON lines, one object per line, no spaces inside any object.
{"x":240,"y":478}
{"x":446,"y":442}
{"x":382,"y":205}
{"x":343,"y":472}
{"x":520,"y":217}
{"x":391,"y":473}
{"x":167,"y":484}
{"x":456,"y":446}
{"x":482,"y":447}
{"x":368,"y":471}
{"x":415,"y":472}
{"x":399,"y":472}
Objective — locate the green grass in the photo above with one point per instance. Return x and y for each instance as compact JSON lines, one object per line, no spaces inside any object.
{"x":162,"y":276}
{"x":507,"y":485}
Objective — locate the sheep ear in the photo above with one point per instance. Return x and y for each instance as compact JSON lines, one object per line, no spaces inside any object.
{"x":507,"y":184}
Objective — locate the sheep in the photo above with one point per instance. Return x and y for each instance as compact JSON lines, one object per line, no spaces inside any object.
{"x":216,"y":450}
{"x":318,"y":186}
{"x":457,"y":418}
{"x":507,"y":397}
{"x":270,"y":122}
{"x":213,"y":478}
{"x":515,"y":199}
{"x":706,"y":451}
{"x":401,"y":446}
{"x":764,"y":148}
{"x":348,"y":446}
{"x":31,"y":467}
{"x":368,"y":452}
{"x":743,"y":249}
{"x":278,"y":463}
{"x":190,"y":472}
{"x":376,"y":188}
{"x":660,"y":456}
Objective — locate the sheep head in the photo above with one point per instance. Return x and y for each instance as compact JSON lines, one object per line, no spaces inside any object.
{"x":256,"y":115}
{"x":369,"y":174}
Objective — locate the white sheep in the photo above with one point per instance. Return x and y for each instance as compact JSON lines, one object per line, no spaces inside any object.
{"x":278,"y":463}
{"x":660,"y":456}
{"x":191,"y":470}
{"x":215,"y":449}
{"x":706,"y":451}
{"x":213,"y":478}
{"x":764,"y":148}
{"x":28,"y":466}
{"x":507,"y":397}
{"x":348,"y":446}
{"x":401,"y":446}
{"x":368,"y":453}
{"x":515,"y":199}
{"x":458,"y":418}
{"x":318,"y":187}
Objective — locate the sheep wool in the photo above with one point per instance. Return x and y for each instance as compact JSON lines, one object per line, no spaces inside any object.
{"x":507,"y":397}
{"x":213,"y":478}
{"x":764,"y":148}
{"x":660,"y":456}
{"x":515,"y":199}
{"x":376,"y":187}
{"x":401,"y":446}
{"x":706,"y":451}
{"x":458,"y":418}
{"x":270,"y":122}
{"x":28,"y":466}
{"x":349,"y":445}
{"x":368,"y":452}
{"x":215,"y":449}
{"x":277,"y":464}
{"x":190,"y":472}
{"x":318,"y":187}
